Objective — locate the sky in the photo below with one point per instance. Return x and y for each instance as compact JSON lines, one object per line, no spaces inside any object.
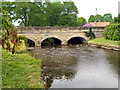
{"x":88,"y":7}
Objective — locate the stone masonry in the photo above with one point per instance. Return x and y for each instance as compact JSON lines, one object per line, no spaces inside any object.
{"x":38,"y":34}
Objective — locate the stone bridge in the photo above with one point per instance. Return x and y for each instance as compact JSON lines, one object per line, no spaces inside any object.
{"x":64,"y":34}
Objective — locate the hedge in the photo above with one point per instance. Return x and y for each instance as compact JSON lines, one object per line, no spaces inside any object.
{"x":112,"y":32}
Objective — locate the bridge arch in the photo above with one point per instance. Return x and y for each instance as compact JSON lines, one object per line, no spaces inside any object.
{"x":51,"y":41}
{"x":76,"y":40}
{"x":30,"y":42}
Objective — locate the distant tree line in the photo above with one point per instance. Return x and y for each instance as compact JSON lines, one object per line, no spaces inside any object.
{"x":105,"y":18}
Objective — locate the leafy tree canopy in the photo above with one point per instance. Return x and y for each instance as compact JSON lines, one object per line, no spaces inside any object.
{"x":42,"y":13}
{"x":81,"y":21}
{"x":91,"y":18}
{"x":105,"y":18}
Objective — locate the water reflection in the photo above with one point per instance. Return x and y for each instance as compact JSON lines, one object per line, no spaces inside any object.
{"x":78,"y":66}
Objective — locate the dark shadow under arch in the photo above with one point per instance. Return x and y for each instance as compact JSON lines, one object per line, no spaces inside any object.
{"x":51,"y":42}
{"x":76,"y":40}
{"x":30,"y":43}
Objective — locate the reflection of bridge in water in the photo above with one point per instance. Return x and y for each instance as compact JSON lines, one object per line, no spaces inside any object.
{"x":61,"y":35}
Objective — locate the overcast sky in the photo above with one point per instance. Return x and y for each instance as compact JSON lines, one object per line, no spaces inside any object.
{"x":88,"y":7}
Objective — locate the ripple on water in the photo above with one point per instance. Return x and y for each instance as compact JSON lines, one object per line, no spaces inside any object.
{"x":78,"y":67}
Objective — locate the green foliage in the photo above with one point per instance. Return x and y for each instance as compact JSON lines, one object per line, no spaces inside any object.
{"x":9,"y":33}
{"x":90,"y":34}
{"x":98,"y":17}
{"x":98,"y":45}
{"x":23,"y":38}
{"x":5,"y":21}
{"x":21,"y":71}
{"x":81,"y":21}
{"x":21,"y":48}
{"x":48,"y":42}
{"x":104,"y":41}
{"x":112,"y":32}
{"x":42,"y":13}
{"x":105,"y":18}
{"x":91,"y":18}
{"x":115,"y":20}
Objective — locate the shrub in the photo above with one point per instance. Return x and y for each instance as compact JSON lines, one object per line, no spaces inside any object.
{"x":90,"y":34}
{"x":98,"y":45}
{"x":23,"y":38}
{"x":9,"y":33}
{"x":112,"y":32}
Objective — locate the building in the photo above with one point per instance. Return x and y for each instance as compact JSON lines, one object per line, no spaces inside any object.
{"x":99,"y":24}
{"x":87,"y":25}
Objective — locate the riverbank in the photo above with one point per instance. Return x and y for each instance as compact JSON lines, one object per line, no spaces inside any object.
{"x":104,"y":43}
{"x":21,"y":70}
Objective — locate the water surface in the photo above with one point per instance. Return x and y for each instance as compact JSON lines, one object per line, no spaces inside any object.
{"x":78,"y":66}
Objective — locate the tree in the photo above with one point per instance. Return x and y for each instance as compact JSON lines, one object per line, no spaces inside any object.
{"x":25,"y":12}
{"x":53,"y":12}
{"x":107,"y":17}
{"x":115,"y":19}
{"x":91,"y":18}
{"x":81,"y":21}
{"x":69,"y":14}
{"x":42,"y":13}
{"x":98,"y":17}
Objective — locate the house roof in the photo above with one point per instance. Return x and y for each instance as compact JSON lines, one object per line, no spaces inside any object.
{"x":87,"y":25}
{"x":99,"y":24}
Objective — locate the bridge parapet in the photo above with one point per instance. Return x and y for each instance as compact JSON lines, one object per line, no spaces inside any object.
{"x":59,"y":28}
{"x":38,"y":34}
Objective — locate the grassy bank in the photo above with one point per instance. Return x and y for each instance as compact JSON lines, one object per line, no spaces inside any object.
{"x":103,"y":41}
{"x":21,"y":70}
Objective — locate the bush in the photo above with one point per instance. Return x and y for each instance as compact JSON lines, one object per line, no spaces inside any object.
{"x":98,"y":45}
{"x":90,"y":34}
{"x":112,"y":32}
{"x":23,"y":38}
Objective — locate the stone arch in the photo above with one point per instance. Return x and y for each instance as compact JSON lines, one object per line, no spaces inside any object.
{"x":30,"y":42}
{"x":51,"y":41}
{"x":76,"y":40}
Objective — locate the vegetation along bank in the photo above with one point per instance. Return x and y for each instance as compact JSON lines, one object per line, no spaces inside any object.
{"x":111,"y":39}
{"x":105,"y":43}
{"x":21,"y":70}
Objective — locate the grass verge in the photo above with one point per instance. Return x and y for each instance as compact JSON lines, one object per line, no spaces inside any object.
{"x":21,"y":70}
{"x":103,"y":41}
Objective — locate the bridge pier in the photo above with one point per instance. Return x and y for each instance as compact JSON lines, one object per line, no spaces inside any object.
{"x":64,"y":42}
{"x":37,"y":43}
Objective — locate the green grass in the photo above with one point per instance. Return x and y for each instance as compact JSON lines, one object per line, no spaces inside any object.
{"x":104,"y":41}
{"x":21,"y":70}
{"x":0,"y":68}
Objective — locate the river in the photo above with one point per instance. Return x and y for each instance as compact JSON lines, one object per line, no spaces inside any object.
{"x":78,"y":66}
